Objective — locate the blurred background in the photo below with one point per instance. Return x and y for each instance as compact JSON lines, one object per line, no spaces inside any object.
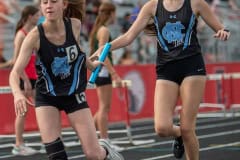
{"x":143,"y":49}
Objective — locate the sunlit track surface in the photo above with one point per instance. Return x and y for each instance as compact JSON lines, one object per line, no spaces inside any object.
{"x":219,"y":140}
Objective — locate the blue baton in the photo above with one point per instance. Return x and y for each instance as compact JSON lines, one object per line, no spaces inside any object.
{"x":102,"y":58}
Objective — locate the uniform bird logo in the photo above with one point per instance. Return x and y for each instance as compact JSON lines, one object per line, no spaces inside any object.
{"x":60,"y":67}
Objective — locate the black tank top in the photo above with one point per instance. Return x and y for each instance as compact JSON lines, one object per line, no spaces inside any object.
{"x":61,"y":69}
{"x":176,"y":33}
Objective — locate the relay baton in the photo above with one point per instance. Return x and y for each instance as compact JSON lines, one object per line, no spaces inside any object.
{"x":102,"y":58}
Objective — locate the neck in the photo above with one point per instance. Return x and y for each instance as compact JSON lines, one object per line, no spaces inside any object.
{"x":54,"y":26}
{"x":171,"y":1}
{"x":108,"y":22}
{"x":173,"y":5}
{"x":28,"y":27}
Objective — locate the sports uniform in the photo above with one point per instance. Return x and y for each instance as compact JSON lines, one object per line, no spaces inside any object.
{"x":179,"y":52}
{"x":104,"y":77}
{"x":62,"y":74}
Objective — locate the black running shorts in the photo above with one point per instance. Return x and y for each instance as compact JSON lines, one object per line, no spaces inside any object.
{"x":69,"y":104}
{"x":176,"y":71}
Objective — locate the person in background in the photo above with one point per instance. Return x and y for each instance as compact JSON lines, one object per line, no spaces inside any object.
{"x":180,"y":67}
{"x":231,"y":3}
{"x":100,"y":35}
{"x":126,"y":22}
{"x":127,"y":59}
{"x":3,"y":20}
{"x":62,"y":78}
{"x":14,"y":4}
{"x":7,"y":8}
{"x":91,"y":15}
{"x":135,"y":11}
{"x":27,"y":22}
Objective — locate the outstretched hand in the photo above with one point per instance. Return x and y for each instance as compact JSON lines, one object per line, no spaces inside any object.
{"x":96,"y":63}
{"x":117,"y":79}
{"x":20,"y":103}
{"x":96,"y":54}
{"x":91,"y":65}
{"x":222,"y":34}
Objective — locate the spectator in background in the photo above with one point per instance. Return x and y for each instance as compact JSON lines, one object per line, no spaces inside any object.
{"x":3,"y":20}
{"x":7,"y":7}
{"x":228,"y":3}
{"x":91,"y":15}
{"x":126,"y":22}
{"x":135,"y":11}
{"x":233,"y":4}
{"x":14,"y":5}
{"x":127,"y":59}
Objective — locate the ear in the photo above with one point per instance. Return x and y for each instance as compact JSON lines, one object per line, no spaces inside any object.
{"x":30,"y":16}
{"x":65,"y":4}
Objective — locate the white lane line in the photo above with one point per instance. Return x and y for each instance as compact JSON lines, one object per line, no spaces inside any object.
{"x":6,"y":156}
{"x":144,"y":127}
{"x":170,"y":141}
{"x":198,"y":128}
{"x":199,"y":137}
{"x":8,"y":145}
{"x":201,"y":149}
{"x":143,"y":136}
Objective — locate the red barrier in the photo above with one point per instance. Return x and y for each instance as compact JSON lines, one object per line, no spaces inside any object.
{"x":141,"y":95}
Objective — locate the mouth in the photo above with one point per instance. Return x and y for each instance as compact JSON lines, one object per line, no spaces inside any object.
{"x":49,"y":12}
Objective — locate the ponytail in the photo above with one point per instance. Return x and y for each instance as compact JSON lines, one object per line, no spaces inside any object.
{"x":19,"y":25}
{"x":105,"y":11}
{"x":75,"y":9}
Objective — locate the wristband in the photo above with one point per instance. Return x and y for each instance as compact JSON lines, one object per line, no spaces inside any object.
{"x":226,"y":30}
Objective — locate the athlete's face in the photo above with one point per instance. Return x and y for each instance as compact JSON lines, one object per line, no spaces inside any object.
{"x":35,"y":17}
{"x":113,"y":17}
{"x":53,"y":9}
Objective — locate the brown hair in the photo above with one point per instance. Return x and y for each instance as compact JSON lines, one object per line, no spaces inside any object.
{"x":26,"y":12}
{"x":75,"y":9}
{"x":104,"y":13}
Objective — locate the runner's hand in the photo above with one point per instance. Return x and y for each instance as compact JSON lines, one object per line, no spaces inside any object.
{"x":20,"y":104}
{"x":222,"y":34}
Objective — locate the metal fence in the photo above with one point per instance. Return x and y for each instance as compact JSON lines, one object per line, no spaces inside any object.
{"x":218,"y":51}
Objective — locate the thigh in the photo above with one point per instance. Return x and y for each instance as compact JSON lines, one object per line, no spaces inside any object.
{"x":166,"y":96}
{"x":191,"y":92}
{"x":104,"y":94}
{"x":49,"y":123}
{"x":83,"y":124}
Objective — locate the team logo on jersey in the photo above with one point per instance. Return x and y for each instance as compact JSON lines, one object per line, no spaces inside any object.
{"x":60,"y":67}
{"x":173,"y":16}
{"x":172,"y":32}
{"x":72,"y":53}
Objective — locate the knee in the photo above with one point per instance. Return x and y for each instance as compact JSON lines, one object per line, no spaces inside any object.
{"x":55,"y":150}
{"x":163,"y":130}
{"x":105,"y":108}
{"x":187,"y":131}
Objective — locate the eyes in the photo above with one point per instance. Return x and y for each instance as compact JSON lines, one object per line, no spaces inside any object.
{"x":46,"y":1}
